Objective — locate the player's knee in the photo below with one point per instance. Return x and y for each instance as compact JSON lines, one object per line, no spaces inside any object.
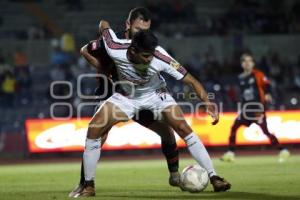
{"x":183,"y":129}
{"x":92,"y":133}
{"x":96,"y":129}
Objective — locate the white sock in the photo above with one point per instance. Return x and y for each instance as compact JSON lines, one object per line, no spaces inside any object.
{"x":91,"y":156}
{"x":199,"y":153}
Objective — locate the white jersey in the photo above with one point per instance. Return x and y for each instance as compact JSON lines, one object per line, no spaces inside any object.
{"x":133,"y":82}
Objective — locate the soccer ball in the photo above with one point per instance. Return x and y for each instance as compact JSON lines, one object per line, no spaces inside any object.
{"x":194,"y":178}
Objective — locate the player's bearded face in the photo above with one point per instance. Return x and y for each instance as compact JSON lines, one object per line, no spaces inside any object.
{"x":137,"y":25}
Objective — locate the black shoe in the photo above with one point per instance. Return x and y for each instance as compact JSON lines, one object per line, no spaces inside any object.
{"x":219,"y":184}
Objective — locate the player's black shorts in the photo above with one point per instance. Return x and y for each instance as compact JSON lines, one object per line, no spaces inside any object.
{"x":144,"y":117}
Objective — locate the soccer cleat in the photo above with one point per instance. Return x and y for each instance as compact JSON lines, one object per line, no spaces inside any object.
{"x":228,"y":157}
{"x":174,"y":179}
{"x":219,"y":184}
{"x":76,"y":191}
{"x":88,"y":191}
{"x":284,"y":154}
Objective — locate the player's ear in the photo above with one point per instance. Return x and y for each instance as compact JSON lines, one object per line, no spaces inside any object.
{"x":127,"y":24}
{"x":132,"y":49}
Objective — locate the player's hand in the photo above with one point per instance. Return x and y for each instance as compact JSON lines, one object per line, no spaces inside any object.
{"x":268,"y":98}
{"x":212,"y":110}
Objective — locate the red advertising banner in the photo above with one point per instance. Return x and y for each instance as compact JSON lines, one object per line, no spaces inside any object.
{"x":47,"y":135}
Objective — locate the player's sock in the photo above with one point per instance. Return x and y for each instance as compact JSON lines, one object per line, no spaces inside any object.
{"x":171,"y":153}
{"x":199,"y":153}
{"x":91,"y":156}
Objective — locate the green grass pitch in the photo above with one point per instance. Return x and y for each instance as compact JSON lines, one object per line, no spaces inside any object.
{"x":251,"y":177}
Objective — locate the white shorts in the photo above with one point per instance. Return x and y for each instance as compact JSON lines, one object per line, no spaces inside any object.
{"x":155,"y":102}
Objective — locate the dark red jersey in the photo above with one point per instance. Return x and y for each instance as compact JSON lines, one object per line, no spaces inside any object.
{"x":254,"y":86}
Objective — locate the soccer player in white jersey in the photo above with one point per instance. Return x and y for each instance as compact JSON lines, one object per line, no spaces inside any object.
{"x":94,"y":52}
{"x":139,"y":63}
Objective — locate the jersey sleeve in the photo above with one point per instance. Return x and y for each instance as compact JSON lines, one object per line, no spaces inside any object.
{"x":112,"y":43}
{"x":263,"y":81}
{"x":169,"y":65}
{"x":266,"y":83}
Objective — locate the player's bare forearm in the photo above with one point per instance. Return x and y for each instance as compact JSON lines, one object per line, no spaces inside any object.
{"x":89,"y":58}
{"x":103,"y":25}
{"x":202,"y":94}
{"x":197,"y":87}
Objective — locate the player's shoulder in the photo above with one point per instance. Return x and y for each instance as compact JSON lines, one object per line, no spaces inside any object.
{"x":162,"y":55}
{"x":121,"y":35}
{"x":110,"y":35}
{"x":114,"y":43}
{"x":160,"y":50}
{"x":258,"y":73}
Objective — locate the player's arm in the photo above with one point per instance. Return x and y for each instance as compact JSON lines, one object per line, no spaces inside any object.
{"x":89,"y":58}
{"x":111,"y":42}
{"x":264,"y":84}
{"x":268,"y":96}
{"x":173,"y":68}
{"x":202,"y":94}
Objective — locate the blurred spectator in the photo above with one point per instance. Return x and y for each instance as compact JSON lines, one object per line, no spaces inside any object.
{"x":20,"y":59}
{"x":22,"y":76}
{"x":8,"y":87}
{"x":68,"y":43}
{"x":23,"y":80}
{"x":59,"y":57}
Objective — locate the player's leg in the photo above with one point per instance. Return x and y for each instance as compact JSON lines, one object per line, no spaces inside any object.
{"x":108,"y":114}
{"x":81,"y":184}
{"x":78,"y":189}
{"x":168,"y":142}
{"x":82,"y":179}
{"x":283,"y":152}
{"x":262,"y":122}
{"x":174,"y":117}
{"x":229,"y":156}
{"x":169,"y":149}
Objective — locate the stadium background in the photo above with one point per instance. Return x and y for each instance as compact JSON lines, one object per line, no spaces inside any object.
{"x":40,"y":42}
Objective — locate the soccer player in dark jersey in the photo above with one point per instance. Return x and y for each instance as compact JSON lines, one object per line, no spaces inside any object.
{"x":94,"y":52}
{"x":255,"y":88}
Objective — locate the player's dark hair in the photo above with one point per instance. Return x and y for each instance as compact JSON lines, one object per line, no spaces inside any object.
{"x":244,"y":55}
{"x":144,"y":41}
{"x":139,"y":12}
